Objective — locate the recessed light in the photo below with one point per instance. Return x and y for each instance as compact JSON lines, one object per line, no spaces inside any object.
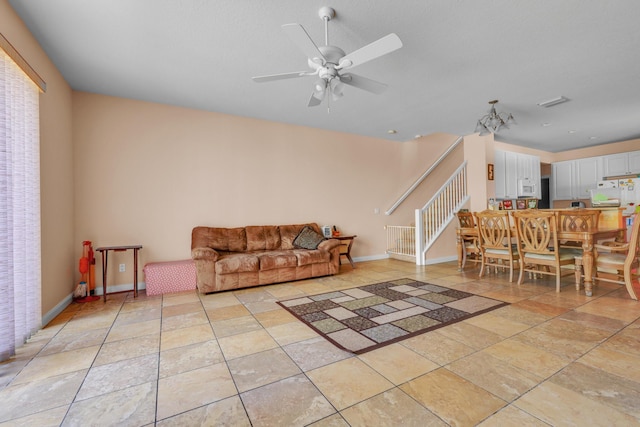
{"x":573,"y":131}
{"x":392,"y":131}
{"x":593,"y":137}
{"x":544,"y":125}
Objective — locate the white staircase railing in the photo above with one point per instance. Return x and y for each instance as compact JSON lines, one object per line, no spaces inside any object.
{"x":434,"y":217}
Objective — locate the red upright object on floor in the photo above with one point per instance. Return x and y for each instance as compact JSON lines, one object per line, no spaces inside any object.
{"x":86,"y":265}
{"x":91,"y":283}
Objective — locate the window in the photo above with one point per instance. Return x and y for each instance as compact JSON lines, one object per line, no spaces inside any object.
{"x":20,"y":281}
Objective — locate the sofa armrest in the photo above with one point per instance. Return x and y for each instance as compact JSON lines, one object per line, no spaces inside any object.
{"x":207,"y":254}
{"x":327,"y":245}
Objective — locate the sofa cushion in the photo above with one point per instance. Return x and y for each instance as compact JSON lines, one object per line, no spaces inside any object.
{"x":221,"y":239}
{"x":237,"y":263}
{"x":263,"y":237}
{"x":306,"y":257}
{"x":277,"y":259}
{"x":237,"y":239}
{"x":307,"y":239}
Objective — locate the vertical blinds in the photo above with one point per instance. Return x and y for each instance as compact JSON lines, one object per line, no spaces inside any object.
{"x":20,"y":254}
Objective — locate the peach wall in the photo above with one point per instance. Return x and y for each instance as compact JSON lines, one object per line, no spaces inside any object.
{"x":545,"y":156}
{"x":478,"y":152}
{"x":598,"y":150}
{"x":148,"y":173}
{"x":56,"y":165}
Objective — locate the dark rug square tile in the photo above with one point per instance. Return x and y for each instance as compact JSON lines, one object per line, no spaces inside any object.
{"x":392,"y":314}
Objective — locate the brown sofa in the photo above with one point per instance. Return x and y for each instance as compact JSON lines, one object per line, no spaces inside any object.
{"x":233,"y":258}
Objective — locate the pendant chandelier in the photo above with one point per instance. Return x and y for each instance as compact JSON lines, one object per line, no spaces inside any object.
{"x":494,"y":121}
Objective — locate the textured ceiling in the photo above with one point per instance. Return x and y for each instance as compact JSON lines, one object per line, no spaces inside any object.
{"x":457,"y":56}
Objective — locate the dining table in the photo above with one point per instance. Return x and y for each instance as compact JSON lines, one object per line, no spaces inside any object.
{"x":586,"y":237}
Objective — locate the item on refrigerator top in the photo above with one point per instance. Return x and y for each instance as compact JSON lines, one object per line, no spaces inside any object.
{"x":629,"y":192}
{"x":605,"y":197}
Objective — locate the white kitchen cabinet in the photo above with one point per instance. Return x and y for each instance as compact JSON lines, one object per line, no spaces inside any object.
{"x":588,"y":173}
{"x":621,"y":163}
{"x":510,"y":168}
{"x":562,"y":179}
{"x":573,"y":179}
{"x":634,"y":162}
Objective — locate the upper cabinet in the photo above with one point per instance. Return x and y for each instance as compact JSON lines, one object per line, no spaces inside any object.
{"x":573,"y":179}
{"x":516,"y":175}
{"x":621,"y":164}
{"x":562,"y":180}
{"x":588,"y":173}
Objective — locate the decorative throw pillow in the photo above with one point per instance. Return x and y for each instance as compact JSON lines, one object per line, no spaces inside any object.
{"x":307,"y":238}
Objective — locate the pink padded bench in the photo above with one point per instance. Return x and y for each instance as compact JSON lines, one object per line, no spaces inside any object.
{"x":172,"y":276}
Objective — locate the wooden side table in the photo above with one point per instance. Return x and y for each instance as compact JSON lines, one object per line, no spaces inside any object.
{"x":348,"y":242}
{"x":105,"y":255}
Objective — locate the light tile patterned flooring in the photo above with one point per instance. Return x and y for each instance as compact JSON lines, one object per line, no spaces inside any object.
{"x":238,"y":359}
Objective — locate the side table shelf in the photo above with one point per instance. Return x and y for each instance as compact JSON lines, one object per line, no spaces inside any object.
{"x":347,"y":242}
{"x":105,"y":257}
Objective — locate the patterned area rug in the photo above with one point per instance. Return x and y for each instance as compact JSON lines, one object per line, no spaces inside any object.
{"x":368,"y":317}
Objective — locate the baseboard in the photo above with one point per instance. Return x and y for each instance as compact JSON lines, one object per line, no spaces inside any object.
{"x":120,"y":288}
{"x":370,"y":258}
{"x":441,"y":260}
{"x":59,"y":308}
{"x":386,"y":256}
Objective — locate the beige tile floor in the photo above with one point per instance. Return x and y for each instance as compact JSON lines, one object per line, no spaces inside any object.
{"x":238,"y":359}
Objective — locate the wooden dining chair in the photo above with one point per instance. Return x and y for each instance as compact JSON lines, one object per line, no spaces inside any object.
{"x":495,"y":240}
{"x":577,"y":220}
{"x":470,"y":247}
{"x":538,"y":246}
{"x":616,"y":262}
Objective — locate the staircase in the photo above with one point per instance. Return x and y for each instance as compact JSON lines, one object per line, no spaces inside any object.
{"x":413,"y":242}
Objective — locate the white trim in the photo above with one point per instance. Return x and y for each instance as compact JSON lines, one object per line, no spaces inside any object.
{"x":55,"y":311}
{"x":386,"y":256}
{"x":370,"y":258}
{"x":125,"y":287}
{"x":441,"y":260}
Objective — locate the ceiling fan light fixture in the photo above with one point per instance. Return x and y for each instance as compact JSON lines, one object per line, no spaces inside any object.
{"x":336,"y":89}
{"x":494,"y":121}
{"x":319,"y":86}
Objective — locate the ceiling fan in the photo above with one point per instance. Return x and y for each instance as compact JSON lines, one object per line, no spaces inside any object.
{"x":329,"y":62}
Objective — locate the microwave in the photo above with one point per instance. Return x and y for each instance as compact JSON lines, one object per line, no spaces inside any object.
{"x":526,"y":188}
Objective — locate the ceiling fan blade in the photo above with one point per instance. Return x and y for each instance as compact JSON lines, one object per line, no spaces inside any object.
{"x":301,"y":38}
{"x":282,"y":76}
{"x":363,"y":83}
{"x":374,"y":50}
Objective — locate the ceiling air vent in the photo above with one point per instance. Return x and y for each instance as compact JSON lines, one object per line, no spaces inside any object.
{"x":552,"y":102}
